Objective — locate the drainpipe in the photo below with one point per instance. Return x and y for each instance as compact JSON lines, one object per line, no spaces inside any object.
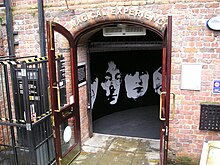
{"x":41,"y":23}
{"x":9,"y":28}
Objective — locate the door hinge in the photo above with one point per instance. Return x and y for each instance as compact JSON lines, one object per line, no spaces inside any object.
{"x":165,"y":145}
{"x":60,"y":161}
{"x":166,"y":133}
{"x":52,"y":120}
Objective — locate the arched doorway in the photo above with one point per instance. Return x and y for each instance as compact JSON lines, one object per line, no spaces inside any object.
{"x":166,"y":37}
{"x":125,"y":99}
{"x":163,"y":45}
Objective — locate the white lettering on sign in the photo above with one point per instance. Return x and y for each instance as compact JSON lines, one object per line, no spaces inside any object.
{"x":116,"y":11}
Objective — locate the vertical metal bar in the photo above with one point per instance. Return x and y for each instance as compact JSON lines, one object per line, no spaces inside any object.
{"x":3,"y":113}
{"x":11,"y":48}
{"x":16,"y":93}
{"x":29,"y":127}
{"x":10,"y":113}
{"x":9,"y":27}
{"x":41,"y":22}
{"x":45,"y":85}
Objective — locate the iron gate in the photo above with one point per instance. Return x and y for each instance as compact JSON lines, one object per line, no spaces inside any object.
{"x":26,"y":135}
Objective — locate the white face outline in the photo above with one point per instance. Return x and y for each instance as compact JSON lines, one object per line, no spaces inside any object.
{"x":136,"y":84}
{"x":94,"y":88}
{"x":112,"y":83}
{"x":157,"y":81}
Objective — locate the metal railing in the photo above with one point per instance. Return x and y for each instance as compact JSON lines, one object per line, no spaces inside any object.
{"x":26,"y":135}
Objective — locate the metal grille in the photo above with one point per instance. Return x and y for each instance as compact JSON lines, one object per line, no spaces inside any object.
{"x":26,"y":135}
{"x":210,"y":117}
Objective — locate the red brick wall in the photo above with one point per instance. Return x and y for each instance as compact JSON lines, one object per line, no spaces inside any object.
{"x":192,"y":42}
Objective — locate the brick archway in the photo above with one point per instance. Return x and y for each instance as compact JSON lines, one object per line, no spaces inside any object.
{"x":82,"y":30}
{"x":87,"y":29}
{"x":93,"y":19}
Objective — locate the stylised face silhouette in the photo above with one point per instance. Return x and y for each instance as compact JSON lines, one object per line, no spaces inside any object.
{"x":94,"y":88}
{"x":136,"y":84}
{"x":112,"y":82}
{"x":157,"y":80}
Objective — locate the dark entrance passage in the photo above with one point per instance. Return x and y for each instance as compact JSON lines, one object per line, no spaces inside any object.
{"x":158,"y":40}
{"x":140,"y":122}
{"x":126,"y":82}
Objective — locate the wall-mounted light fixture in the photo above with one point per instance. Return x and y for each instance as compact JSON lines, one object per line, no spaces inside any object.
{"x":124,"y":30}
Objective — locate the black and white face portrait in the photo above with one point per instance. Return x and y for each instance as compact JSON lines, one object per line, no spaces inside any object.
{"x":136,"y":84}
{"x":112,"y":82}
{"x":94,"y":88}
{"x":157,"y":81}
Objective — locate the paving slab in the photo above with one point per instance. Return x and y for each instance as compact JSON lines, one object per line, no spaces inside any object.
{"x":104,"y":149}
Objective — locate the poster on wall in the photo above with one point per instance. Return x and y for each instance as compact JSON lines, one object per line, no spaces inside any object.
{"x":81,"y":74}
{"x":191,"y":76}
{"x":122,"y":80}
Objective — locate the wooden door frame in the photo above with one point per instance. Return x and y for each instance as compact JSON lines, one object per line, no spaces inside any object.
{"x":71,"y":110}
{"x":165,"y":95}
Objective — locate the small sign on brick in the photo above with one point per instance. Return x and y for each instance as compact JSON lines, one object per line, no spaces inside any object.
{"x":216,"y":87}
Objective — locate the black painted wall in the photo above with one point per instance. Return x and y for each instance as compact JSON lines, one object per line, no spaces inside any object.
{"x":125,"y":61}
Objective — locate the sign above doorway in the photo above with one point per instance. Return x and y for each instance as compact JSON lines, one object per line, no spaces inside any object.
{"x":120,"y":12}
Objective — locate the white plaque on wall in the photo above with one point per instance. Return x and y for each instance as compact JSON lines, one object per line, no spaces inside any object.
{"x":191,"y":76}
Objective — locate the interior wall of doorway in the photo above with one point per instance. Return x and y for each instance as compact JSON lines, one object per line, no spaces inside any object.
{"x":125,"y":88}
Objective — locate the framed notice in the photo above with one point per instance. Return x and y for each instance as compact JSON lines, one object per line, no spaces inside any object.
{"x":191,"y":76}
{"x":81,"y":74}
